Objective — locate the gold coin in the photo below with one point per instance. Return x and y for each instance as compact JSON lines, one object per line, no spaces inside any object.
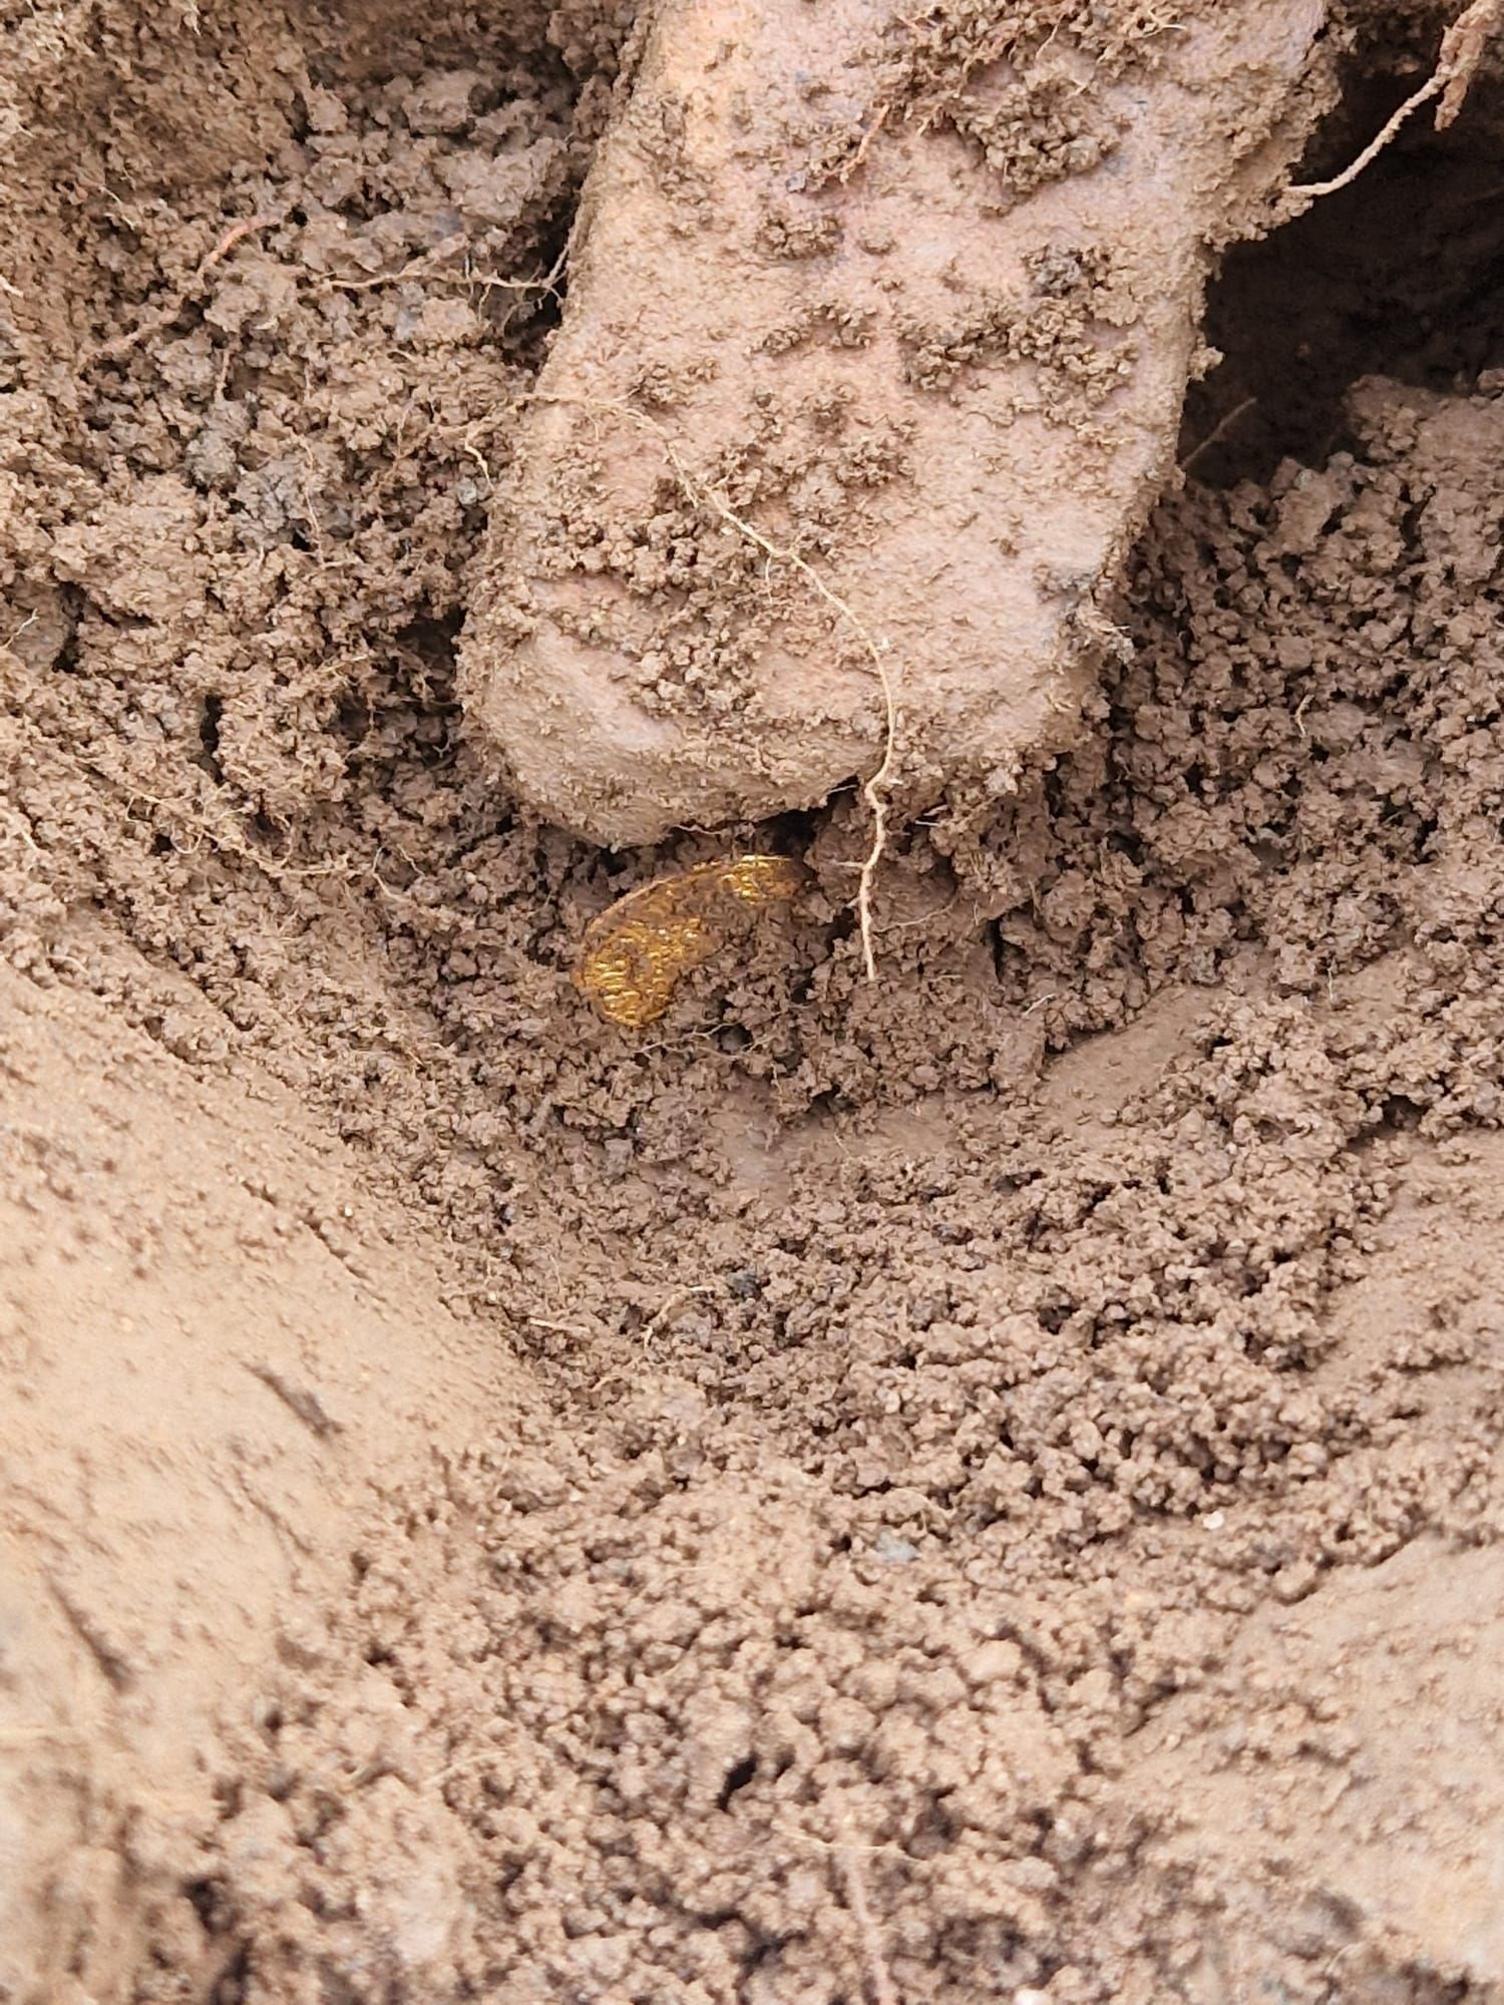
{"x":633,"y":955}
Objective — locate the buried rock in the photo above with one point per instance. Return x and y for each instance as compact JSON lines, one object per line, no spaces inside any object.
{"x":874,"y":351}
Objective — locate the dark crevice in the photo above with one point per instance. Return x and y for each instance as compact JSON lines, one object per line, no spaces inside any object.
{"x":72,"y":602}
{"x":792,"y":833}
{"x":737,"y":1778}
{"x":231,"y":1986}
{"x":206,"y":1898}
{"x":1400,"y":274}
{"x":208,"y":732}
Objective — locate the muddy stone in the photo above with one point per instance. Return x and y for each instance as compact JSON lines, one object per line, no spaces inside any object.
{"x":983,"y":1486}
{"x":875,"y":345}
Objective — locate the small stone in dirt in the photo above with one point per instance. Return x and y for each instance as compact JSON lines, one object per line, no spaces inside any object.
{"x":893,"y":1550}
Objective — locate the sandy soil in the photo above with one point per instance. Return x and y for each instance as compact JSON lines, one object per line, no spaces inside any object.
{"x":983,"y":1486}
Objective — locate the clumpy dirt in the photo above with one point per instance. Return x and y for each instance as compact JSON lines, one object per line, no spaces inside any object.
{"x":982,"y":1486}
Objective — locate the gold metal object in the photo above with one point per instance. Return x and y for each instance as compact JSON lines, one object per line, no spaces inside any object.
{"x":634,"y":953}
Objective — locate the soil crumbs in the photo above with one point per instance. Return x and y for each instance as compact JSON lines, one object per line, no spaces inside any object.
{"x":985,"y":1486}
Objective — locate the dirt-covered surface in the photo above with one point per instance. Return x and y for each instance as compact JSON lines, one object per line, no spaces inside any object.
{"x":902,"y":307}
{"x":982,"y":1486}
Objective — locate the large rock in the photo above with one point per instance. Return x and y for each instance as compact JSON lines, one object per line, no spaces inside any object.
{"x":914,"y":302}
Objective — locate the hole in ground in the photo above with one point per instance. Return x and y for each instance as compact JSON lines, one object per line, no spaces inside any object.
{"x":1400,"y":274}
{"x":737,"y":1778}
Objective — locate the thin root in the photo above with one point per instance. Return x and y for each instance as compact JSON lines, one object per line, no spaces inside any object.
{"x":1218,"y":432}
{"x":668,"y":1310}
{"x":1462,"y":50}
{"x":158,"y":323}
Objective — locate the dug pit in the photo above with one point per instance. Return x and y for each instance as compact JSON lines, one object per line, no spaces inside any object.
{"x":979,"y":1485}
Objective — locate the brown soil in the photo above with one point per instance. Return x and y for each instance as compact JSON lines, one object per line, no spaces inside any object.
{"x":983,"y":1486}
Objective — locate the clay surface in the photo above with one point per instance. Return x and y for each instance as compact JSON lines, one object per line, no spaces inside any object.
{"x":872,"y":361}
{"x":984,"y":1486}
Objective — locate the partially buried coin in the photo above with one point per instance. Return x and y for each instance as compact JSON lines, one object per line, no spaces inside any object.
{"x":633,"y":955}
